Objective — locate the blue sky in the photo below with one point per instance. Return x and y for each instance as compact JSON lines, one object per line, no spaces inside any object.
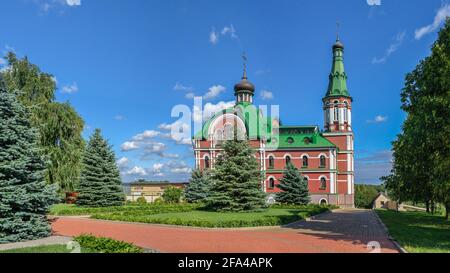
{"x":124,"y":64}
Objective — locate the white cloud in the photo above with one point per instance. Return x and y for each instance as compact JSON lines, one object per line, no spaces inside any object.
{"x":157,"y":167}
{"x":214,"y":91}
{"x":266,"y":95}
{"x":136,"y":170}
{"x":374,"y":2}
{"x":129,"y":146}
{"x":181,"y":170}
{"x":120,"y":117}
{"x":181,"y":87}
{"x":213,"y":37}
{"x":123,"y":162}
{"x":378,"y":119}
{"x":229,"y":30}
{"x":189,"y":95}
{"x":441,"y":14}
{"x":209,"y":109}
{"x":2,"y":61}
{"x":70,"y":89}
{"x":146,"y":135}
{"x":398,"y":40}
{"x":73,"y":2}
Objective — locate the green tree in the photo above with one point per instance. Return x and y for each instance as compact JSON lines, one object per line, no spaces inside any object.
{"x":198,"y":188}
{"x":58,"y":124}
{"x":25,"y":197}
{"x":365,"y":194}
{"x":422,"y":150}
{"x":293,"y":186}
{"x":235,"y":179}
{"x":172,"y":194}
{"x":100,"y":184}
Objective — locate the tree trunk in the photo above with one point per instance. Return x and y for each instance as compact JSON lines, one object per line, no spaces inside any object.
{"x":433,"y":208}
{"x":427,"y":203}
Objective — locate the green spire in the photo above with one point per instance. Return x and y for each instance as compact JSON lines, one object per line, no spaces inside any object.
{"x":338,"y":78}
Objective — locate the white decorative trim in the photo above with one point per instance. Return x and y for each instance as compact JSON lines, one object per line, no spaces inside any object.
{"x":326,"y":201}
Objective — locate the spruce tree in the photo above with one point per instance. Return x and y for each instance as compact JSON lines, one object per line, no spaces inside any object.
{"x":294,"y":187}
{"x":24,"y":195}
{"x":198,"y":188}
{"x":100,"y":183}
{"x":235,"y":179}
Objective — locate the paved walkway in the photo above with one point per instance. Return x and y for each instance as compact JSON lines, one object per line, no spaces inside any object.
{"x":52,"y":240}
{"x":338,"y":231}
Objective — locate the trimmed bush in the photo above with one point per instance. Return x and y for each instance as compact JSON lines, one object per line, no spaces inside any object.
{"x":106,"y":245}
{"x":141,"y":200}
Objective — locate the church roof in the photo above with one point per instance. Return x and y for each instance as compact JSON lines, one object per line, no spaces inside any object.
{"x":300,"y":137}
{"x":337,"y":86}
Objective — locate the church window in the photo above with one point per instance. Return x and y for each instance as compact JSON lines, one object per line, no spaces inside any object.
{"x":305,"y":161}
{"x":323,"y":183}
{"x":322,"y":161}
{"x":345,"y":111}
{"x":271,"y":162}
{"x":207,"y":163}
{"x":271,"y":183}
{"x":288,"y":160}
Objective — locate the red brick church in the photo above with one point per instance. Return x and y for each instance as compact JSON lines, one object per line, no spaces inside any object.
{"x":324,"y":157}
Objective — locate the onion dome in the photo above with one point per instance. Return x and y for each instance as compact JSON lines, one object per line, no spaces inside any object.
{"x":244,"y":85}
{"x":338,"y":44}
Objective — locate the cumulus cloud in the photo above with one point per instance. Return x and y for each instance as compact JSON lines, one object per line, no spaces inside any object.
{"x":214,"y":91}
{"x":120,"y":117}
{"x":213,"y":37}
{"x":397,"y":42}
{"x":373,"y":2}
{"x":123,"y":162}
{"x":181,"y":87}
{"x":439,"y":19}
{"x":266,"y":95}
{"x":229,"y":30}
{"x":378,"y":119}
{"x":73,"y":2}
{"x":147,"y":134}
{"x":136,"y":170}
{"x":129,"y":146}
{"x":209,"y":109}
{"x":70,"y":88}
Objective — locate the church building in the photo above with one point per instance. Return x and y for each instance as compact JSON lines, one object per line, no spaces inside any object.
{"x":325,"y":157}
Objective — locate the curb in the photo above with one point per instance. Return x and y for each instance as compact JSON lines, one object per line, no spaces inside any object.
{"x":396,"y":244}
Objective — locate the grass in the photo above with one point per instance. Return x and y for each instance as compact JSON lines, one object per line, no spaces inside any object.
{"x":73,"y":210}
{"x":418,"y":232}
{"x":202,"y":218}
{"x":39,"y":249}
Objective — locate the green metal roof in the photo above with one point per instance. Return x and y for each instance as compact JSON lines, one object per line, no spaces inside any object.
{"x":300,"y":139}
{"x":337,"y":86}
{"x":257,"y":126}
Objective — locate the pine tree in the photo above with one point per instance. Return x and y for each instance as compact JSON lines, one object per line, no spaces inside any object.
{"x":235,"y":179}
{"x":24,"y":195}
{"x":100,"y":183}
{"x":198,"y":188}
{"x":294,"y":187}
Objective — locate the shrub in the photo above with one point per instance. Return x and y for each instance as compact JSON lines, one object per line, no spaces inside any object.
{"x":106,"y":245}
{"x":172,"y":194}
{"x":141,"y":200}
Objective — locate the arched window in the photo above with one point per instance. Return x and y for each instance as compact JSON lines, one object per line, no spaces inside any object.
{"x":305,"y":179}
{"x":345,"y":111}
{"x":271,"y":183}
{"x":336,"y":111}
{"x":323,"y":183}
{"x":305,"y":161}
{"x":288,"y":160}
{"x":323,"y":162}
{"x":207,"y":163}
{"x":271,"y":162}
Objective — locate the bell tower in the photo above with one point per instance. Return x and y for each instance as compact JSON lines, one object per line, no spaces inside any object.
{"x":337,"y":103}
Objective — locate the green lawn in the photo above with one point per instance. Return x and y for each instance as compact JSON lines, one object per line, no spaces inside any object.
{"x":268,"y":217}
{"x":418,"y":231}
{"x":39,"y":249}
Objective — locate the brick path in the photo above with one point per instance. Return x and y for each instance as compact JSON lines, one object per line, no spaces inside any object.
{"x":339,"y":231}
